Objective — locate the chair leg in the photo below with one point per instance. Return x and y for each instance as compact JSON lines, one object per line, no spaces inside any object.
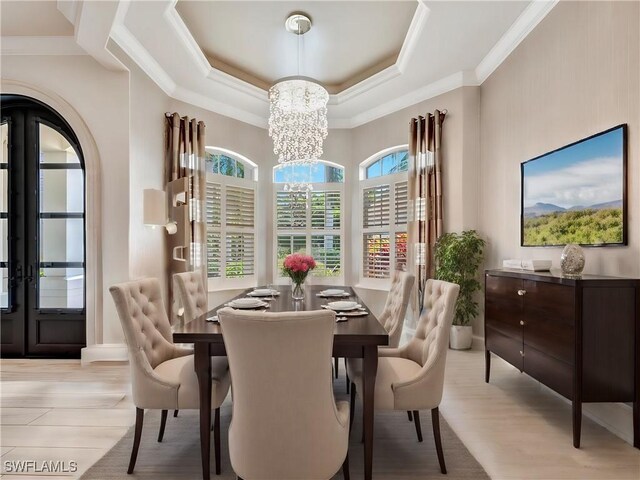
{"x":435,"y":420}
{"x":163,"y":423}
{"x":136,"y":439}
{"x":409,"y":415}
{"x":346,"y":375}
{"x":352,"y":406}
{"x":175,"y":413}
{"x":216,"y":439}
{"x":335,"y":365}
{"x":345,"y":468}
{"x":416,"y":420}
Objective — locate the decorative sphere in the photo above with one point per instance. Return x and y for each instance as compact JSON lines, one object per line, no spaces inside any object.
{"x":572,"y":260}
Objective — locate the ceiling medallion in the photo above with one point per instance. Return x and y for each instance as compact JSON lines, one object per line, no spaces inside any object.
{"x":298,"y":109}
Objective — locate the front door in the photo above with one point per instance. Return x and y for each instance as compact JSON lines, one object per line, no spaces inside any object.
{"x":42,"y":233}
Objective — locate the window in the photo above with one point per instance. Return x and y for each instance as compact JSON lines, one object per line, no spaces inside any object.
{"x":383,"y":193}
{"x":231,"y":219}
{"x":310,"y":221}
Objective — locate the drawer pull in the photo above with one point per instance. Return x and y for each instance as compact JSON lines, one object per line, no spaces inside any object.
{"x":521,"y":322}
{"x":521,"y":292}
{"x":521,"y":353}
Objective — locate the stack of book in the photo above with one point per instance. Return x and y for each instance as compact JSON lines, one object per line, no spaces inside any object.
{"x":531,"y":265}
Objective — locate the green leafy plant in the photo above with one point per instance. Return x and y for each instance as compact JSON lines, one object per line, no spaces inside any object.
{"x":458,"y":258}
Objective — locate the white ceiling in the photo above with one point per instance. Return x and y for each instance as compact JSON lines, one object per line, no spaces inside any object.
{"x":41,"y":18}
{"x":347,"y":42}
{"x":408,"y":51}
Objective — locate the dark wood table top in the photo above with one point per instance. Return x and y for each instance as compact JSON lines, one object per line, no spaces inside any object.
{"x":365,"y":330}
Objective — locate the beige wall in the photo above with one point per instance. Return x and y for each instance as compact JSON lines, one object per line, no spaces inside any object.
{"x":575,"y":75}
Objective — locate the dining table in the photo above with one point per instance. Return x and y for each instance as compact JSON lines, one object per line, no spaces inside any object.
{"x":355,"y":337}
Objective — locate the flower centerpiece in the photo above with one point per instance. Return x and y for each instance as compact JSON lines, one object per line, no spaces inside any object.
{"x":297,"y":266}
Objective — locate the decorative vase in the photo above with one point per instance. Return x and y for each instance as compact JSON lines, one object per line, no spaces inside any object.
{"x":297,"y":290}
{"x":572,"y":260}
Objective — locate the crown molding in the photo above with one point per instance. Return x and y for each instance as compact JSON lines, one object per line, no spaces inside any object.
{"x":175,"y":20}
{"x":23,"y":45}
{"x":524,"y":24}
{"x":132,"y":47}
{"x":447,"y":84}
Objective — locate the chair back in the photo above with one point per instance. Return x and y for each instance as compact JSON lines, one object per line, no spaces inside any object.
{"x":429,"y":345}
{"x":285,"y":422}
{"x":144,"y":321}
{"x":192,"y":294}
{"x":395,"y":308}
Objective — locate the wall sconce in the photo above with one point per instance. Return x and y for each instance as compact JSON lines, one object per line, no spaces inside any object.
{"x":155,"y":210}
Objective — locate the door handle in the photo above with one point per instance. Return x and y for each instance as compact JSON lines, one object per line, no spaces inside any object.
{"x":29,"y":277}
{"x":17,"y":277}
{"x":522,"y":292}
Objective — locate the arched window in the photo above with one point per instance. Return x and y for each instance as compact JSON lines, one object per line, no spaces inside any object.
{"x":231,"y":218}
{"x":383,"y":195}
{"x":310,"y":221}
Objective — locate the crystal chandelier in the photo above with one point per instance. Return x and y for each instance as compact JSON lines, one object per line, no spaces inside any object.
{"x":298,"y":110}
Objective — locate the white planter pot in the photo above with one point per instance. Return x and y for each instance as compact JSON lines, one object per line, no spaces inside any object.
{"x":461,"y":337}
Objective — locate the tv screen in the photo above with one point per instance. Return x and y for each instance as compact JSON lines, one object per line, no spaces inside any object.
{"x":577,"y":194}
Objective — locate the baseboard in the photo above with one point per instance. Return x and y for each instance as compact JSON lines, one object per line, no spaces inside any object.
{"x":106,"y":352}
{"x":477,"y":342}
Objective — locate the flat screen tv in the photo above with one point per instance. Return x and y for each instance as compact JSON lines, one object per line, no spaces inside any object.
{"x":577,"y":194}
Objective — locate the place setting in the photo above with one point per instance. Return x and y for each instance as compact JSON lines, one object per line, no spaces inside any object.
{"x":242,"y":304}
{"x":346,"y":309}
{"x":333,"y":293}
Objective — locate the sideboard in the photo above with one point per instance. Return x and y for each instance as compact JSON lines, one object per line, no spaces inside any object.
{"x":577,"y":336}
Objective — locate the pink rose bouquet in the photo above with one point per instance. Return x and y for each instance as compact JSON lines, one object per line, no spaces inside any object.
{"x":297,"y":266}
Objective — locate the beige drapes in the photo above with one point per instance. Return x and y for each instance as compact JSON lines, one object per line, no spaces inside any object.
{"x":186,"y":187}
{"x":425,"y":198}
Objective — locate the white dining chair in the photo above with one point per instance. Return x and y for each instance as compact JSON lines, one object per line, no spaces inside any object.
{"x":192,"y":294}
{"x":411,"y":377}
{"x":286,"y":423}
{"x":162,"y":374}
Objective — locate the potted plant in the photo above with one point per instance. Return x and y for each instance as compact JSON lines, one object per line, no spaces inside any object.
{"x":458,"y":258}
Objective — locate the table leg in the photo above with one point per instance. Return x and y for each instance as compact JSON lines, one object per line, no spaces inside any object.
{"x":370,"y":369}
{"x":202,"y":362}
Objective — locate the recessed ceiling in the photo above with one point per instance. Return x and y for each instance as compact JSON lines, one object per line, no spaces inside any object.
{"x":33,"y":19}
{"x":348,"y":41}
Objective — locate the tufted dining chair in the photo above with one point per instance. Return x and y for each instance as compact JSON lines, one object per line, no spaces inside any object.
{"x":286,"y":424}
{"x":395,"y":309}
{"x":162,"y":374}
{"x":411,"y":377}
{"x":192,"y":294}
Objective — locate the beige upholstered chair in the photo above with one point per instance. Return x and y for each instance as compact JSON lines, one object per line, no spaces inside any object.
{"x":286,"y":424}
{"x":395,"y":308}
{"x":192,"y":293}
{"x":162,"y":374}
{"x":411,"y":377}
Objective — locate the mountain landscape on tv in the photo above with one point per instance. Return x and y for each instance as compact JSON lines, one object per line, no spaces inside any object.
{"x":575,"y":194}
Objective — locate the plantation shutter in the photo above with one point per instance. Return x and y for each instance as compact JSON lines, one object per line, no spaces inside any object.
{"x":291,"y":210}
{"x":401,"y":203}
{"x":213,"y":254}
{"x":376,"y":255}
{"x":213,"y":204}
{"x":240,"y":255}
{"x":213,"y":213}
{"x":375,"y":204}
{"x":325,"y":249}
{"x":325,"y":210}
{"x":240,"y":207}
{"x":401,"y":250}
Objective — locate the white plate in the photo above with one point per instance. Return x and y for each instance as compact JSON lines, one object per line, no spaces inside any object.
{"x":263,"y":292}
{"x":333,"y":291}
{"x":343,"y":306}
{"x":246,"y":303}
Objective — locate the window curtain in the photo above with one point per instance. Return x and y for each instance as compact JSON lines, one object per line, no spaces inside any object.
{"x":425,"y":215}
{"x":186,"y":186}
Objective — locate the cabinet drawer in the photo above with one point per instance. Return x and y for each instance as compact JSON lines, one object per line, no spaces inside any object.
{"x":505,"y":347}
{"x":549,"y":301}
{"x":503,"y":305}
{"x":552,"y":337}
{"x":554,"y":373}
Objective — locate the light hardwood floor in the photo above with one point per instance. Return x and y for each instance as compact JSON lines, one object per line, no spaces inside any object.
{"x":58,"y":410}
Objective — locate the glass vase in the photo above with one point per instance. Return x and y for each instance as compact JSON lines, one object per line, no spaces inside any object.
{"x":297,"y":290}
{"x":572,"y":261}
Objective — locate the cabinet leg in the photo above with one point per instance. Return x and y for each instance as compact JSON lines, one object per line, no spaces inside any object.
{"x":577,"y":422}
{"x":636,"y":424}
{"x":487,"y":365}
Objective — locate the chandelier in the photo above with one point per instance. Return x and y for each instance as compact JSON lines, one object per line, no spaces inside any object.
{"x":298,"y":109}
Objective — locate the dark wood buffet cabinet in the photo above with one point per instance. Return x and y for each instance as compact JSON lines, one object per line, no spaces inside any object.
{"x":578,"y":336}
